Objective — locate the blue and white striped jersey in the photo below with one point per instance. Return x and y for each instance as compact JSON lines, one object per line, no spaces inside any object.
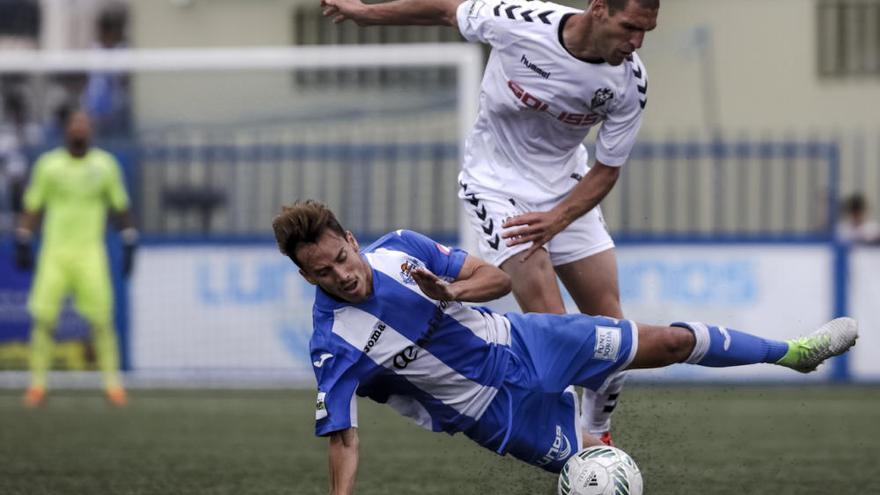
{"x":438,"y":363}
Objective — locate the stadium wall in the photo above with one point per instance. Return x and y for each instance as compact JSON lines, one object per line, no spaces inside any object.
{"x":229,"y":314}
{"x":864,"y":292}
{"x":243,"y":311}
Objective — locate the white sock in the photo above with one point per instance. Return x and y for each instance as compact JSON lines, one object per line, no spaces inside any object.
{"x":597,"y":407}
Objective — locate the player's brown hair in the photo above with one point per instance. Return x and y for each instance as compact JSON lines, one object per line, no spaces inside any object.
{"x":616,"y":5}
{"x":303,"y":223}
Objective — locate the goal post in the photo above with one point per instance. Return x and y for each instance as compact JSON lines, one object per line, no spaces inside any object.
{"x":466,"y":58}
{"x":220,"y":138}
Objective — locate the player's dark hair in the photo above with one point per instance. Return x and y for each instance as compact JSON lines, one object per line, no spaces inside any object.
{"x":615,"y":5}
{"x":303,"y":223}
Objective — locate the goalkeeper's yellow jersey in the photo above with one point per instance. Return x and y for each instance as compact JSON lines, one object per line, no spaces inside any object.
{"x":74,"y":194}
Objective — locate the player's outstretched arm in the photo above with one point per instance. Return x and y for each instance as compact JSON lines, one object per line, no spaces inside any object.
{"x":343,"y":461}
{"x":477,"y":281}
{"x":397,"y":12}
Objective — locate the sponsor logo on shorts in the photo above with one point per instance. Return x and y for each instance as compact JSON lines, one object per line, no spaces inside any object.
{"x":607,"y":343}
{"x":321,"y":359}
{"x":559,"y":451}
{"x":320,"y":407}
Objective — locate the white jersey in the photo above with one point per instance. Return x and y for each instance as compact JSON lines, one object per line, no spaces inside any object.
{"x":538,"y":102}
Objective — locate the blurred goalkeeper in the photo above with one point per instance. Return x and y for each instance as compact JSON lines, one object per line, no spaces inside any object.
{"x":390,"y":324}
{"x":73,"y":186}
{"x":554,"y":73}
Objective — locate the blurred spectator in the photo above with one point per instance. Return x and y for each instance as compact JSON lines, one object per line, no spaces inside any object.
{"x":855,"y":227}
{"x":106,"y":95}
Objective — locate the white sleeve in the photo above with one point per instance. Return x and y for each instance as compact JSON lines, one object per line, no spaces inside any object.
{"x":619,"y":130}
{"x":479,"y":20}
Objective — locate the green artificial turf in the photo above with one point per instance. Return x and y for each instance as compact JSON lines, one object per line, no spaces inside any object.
{"x":687,"y":440}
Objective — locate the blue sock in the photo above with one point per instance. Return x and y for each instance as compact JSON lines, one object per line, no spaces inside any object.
{"x":721,"y":347}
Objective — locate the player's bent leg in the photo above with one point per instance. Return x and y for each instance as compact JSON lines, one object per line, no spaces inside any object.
{"x":543,"y":428}
{"x":535,"y":415}
{"x":662,"y":346}
{"x":717,"y":346}
{"x":592,"y":283}
{"x":534,"y":283}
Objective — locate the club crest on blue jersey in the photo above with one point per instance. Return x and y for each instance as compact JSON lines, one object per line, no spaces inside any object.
{"x":407,"y":267}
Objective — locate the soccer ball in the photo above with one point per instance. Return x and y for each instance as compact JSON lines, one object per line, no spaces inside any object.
{"x":600,"y":470}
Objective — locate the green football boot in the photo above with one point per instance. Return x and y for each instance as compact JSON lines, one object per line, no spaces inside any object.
{"x":834,"y":338}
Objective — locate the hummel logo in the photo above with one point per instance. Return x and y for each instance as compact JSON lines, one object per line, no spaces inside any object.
{"x":482,"y":213}
{"x":637,"y":71}
{"x":537,"y":70}
{"x":320,"y":361}
{"x":494,"y":242}
{"x":488,"y":229}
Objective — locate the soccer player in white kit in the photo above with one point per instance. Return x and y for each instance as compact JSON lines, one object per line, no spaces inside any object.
{"x":554,"y":72}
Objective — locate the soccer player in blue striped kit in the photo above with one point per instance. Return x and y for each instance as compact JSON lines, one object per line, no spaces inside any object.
{"x":390,"y":324}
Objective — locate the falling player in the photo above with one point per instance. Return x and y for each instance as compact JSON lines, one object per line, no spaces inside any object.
{"x":390,"y":324}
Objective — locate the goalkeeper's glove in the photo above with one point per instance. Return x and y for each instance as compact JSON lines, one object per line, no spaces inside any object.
{"x":24,"y":252}
{"x":129,"y":245}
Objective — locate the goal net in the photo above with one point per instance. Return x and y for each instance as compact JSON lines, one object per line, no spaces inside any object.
{"x":212,"y":142}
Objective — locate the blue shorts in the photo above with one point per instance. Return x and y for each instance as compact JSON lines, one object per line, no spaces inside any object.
{"x":535,"y":416}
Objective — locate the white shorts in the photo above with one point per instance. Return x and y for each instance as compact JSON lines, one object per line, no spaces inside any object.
{"x":486,"y":210}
